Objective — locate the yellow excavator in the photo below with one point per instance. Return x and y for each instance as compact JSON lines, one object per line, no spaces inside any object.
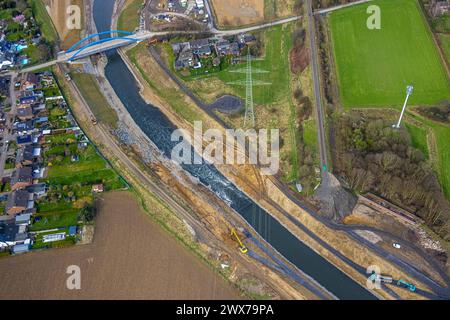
{"x":242,"y":247}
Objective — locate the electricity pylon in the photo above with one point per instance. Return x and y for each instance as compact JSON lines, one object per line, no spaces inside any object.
{"x":249,"y":120}
{"x":249,"y":111}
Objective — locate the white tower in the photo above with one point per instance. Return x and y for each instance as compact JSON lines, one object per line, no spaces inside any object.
{"x":409,"y":91}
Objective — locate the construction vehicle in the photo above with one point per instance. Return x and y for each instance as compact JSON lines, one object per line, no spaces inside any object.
{"x":242,"y":247}
{"x":404,"y":284}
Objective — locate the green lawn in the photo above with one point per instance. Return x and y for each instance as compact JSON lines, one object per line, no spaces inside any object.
{"x":91,"y":168}
{"x":375,"y":66}
{"x":55,"y":219}
{"x":310,"y":133}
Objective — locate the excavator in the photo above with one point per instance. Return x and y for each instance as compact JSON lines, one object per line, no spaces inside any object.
{"x":404,"y":284}
{"x":242,"y":247}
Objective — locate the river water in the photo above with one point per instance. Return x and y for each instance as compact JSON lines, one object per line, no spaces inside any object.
{"x":159,"y":129}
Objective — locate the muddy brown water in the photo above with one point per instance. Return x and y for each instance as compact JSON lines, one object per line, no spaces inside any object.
{"x":130,"y":258}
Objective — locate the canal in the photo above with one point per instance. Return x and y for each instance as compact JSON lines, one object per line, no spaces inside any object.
{"x":159,"y":129}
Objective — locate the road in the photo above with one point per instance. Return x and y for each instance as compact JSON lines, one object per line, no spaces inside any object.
{"x":321,"y":130}
{"x":145,"y":35}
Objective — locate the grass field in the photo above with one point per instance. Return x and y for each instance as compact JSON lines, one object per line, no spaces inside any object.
{"x":44,"y":20}
{"x":129,"y":18}
{"x":418,"y":138}
{"x":96,"y":100}
{"x":375,"y":66}
{"x":442,"y":140}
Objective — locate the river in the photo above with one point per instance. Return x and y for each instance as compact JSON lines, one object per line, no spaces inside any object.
{"x":159,"y":129}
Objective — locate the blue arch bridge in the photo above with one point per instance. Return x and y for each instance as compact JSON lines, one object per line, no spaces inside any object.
{"x":102,"y":41}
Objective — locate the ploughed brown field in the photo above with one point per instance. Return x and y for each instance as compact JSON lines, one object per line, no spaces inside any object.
{"x":238,"y":12}
{"x":130,"y":258}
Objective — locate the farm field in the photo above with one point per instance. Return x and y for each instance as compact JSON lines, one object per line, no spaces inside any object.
{"x":375,"y":66}
{"x":238,"y":12}
{"x":130,"y":258}
{"x":57,"y":10}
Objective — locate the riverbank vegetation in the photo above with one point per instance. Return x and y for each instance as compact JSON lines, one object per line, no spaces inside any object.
{"x":90,"y":90}
{"x":130,"y":16}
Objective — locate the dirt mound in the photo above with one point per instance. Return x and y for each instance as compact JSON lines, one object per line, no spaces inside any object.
{"x":336,"y":202}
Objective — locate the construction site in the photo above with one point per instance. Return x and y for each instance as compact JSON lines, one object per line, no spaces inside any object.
{"x":219,"y":231}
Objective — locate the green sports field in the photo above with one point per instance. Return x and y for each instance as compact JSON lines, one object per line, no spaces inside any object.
{"x":375,"y":66}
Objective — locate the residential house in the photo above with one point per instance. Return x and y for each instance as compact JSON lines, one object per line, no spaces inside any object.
{"x":184,"y":55}
{"x":24,"y":128}
{"x":201,"y":47}
{"x":246,"y":38}
{"x":4,"y":86}
{"x":18,"y":202}
{"x":12,"y":234}
{"x":440,"y":8}
{"x":7,"y":60}
{"x":25,"y":112}
{"x":224,"y":48}
{"x":30,"y":97}
{"x":28,"y":155}
{"x":24,"y":140}
{"x":23,"y":219}
{"x":30,"y":82}
{"x":39,"y":190}
{"x":21,"y":178}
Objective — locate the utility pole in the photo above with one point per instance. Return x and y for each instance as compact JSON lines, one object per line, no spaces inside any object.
{"x":409,"y":91}
{"x":249,"y":120}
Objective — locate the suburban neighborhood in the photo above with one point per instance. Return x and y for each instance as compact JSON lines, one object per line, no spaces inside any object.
{"x":39,"y":134}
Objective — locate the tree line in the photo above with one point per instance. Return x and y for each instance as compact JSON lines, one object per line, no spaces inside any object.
{"x":373,"y":157}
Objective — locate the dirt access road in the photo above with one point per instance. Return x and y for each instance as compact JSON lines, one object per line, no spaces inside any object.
{"x":130,"y":258}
